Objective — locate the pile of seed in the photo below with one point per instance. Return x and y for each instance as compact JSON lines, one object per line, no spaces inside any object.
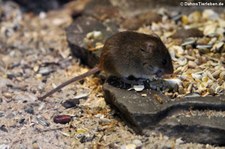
{"x":196,"y":44}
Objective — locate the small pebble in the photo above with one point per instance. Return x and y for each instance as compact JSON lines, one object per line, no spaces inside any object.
{"x":42,"y":121}
{"x":29,"y":109}
{"x":21,"y":121}
{"x":105,"y":121}
{"x":87,"y":138}
{"x":137,"y":142}
{"x":4,"y":146}
{"x":71,"y":103}
{"x":179,"y":141}
{"x":1,"y":113}
{"x":3,"y":128}
{"x":35,"y":145}
{"x":45,"y":70}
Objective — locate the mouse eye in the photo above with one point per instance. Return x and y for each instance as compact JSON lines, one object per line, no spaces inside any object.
{"x":143,"y":50}
{"x":164,"y":61}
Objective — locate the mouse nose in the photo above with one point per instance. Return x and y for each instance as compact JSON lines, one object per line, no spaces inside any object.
{"x":170,"y":70}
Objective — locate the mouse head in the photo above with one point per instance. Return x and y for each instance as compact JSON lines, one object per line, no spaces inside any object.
{"x":156,"y":58}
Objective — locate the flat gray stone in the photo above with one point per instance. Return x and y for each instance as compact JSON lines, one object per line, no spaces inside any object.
{"x":102,"y":10}
{"x":78,"y":30}
{"x":199,"y":129}
{"x":160,"y":113}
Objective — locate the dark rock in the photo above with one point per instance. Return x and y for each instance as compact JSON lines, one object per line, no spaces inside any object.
{"x":166,"y":147}
{"x":10,"y":76}
{"x":133,"y":105}
{"x":22,"y":120}
{"x":78,"y":30}
{"x":146,"y":18}
{"x":132,"y":7}
{"x":29,"y":109}
{"x":40,"y":5}
{"x":87,"y":138}
{"x":2,"y":114}
{"x":160,"y":113}
{"x":102,"y":10}
{"x":15,"y":75}
{"x":3,"y":128}
{"x":201,"y":129}
{"x":186,"y":33}
{"x":71,"y":103}
{"x":15,"y":64}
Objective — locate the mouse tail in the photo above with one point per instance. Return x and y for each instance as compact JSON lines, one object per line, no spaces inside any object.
{"x":74,"y":79}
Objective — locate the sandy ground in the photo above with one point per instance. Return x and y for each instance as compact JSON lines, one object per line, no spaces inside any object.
{"x":34,"y":57}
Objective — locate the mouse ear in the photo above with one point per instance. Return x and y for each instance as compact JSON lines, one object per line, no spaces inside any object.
{"x":155,"y":35}
{"x":149,"y":46}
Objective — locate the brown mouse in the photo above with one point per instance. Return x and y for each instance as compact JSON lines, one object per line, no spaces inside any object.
{"x":129,"y":54}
